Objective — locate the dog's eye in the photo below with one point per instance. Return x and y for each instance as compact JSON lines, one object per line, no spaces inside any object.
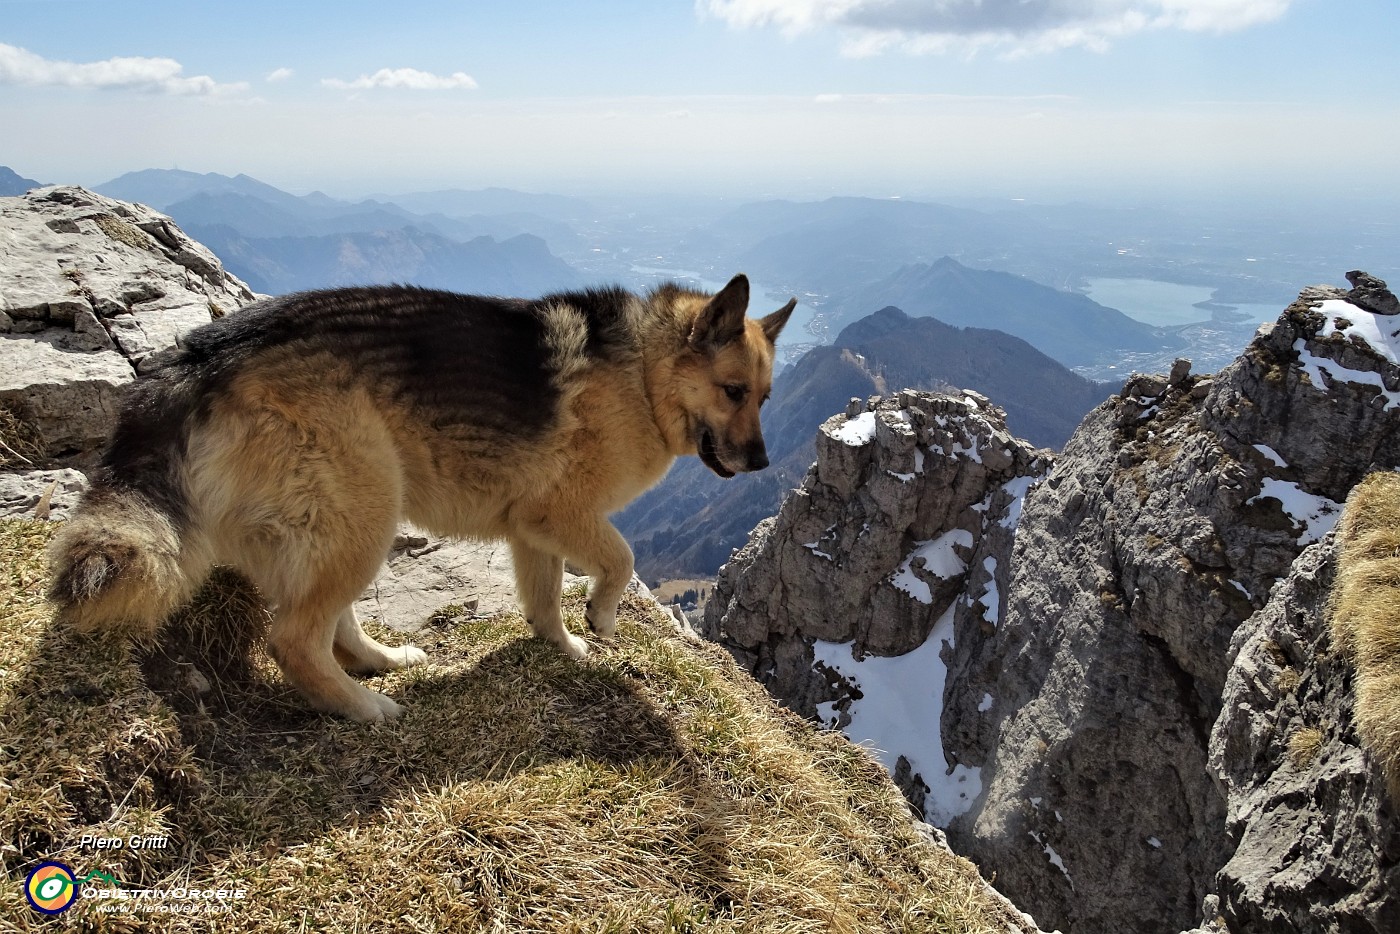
{"x":736,"y":393}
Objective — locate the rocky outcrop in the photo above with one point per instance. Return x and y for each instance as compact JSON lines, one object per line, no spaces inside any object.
{"x":1163,"y":527}
{"x":90,"y":289}
{"x":1313,"y":840}
{"x":424,"y":573}
{"x":1109,"y":770}
{"x":889,"y":547}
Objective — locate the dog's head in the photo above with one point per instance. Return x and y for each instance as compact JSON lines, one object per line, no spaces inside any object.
{"x":724,"y":376}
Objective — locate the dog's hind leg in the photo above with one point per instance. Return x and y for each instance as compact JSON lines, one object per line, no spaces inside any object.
{"x":307,"y":495}
{"x":594,"y":545}
{"x":539,"y":577}
{"x":301,"y":641}
{"x":360,"y":653}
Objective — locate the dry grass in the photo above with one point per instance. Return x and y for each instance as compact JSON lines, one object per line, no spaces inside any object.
{"x":1366,"y":614}
{"x":1304,"y":745}
{"x":20,"y":443}
{"x":651,"y":788}
{"x":124,"y":232}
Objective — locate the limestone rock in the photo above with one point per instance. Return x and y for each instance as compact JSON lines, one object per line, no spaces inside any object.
{"x":894,"y":545}
{"x":1317,"y":843}
{"x":90,"y":287}
{"x":23,"y":492}
{"x":1163,"y":527}
{"x":424,"y":573}
{"x":1371,"y":293}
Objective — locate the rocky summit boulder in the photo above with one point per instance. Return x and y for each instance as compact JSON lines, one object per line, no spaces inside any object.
{"x":90,"y":289}
{"x":842,"y":604}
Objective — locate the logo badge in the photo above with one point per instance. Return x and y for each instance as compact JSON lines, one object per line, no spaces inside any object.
{"x":51,"y":888}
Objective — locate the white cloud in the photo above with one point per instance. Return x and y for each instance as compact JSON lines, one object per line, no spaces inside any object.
{"x":410,"y":79}
{"x":279,"y":74}
{"x":163,"y":75}
{"x":870,"y":27}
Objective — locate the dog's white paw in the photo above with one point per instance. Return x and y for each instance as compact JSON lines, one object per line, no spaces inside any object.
{"x":409,"y":655}
{"x":602,"y":622}
{"x":371,"y":707}
{"x":388,"y":709}
{"x":574,"y":647}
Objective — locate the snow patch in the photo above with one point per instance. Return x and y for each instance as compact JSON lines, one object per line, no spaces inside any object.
{"x":1316,"y":514}
{"x":1383,"y":338}
{"x":986,"y":705}
{"x":815,"y":548}
{"x":899,"y":714}
{"x":1381,"y":332}
{"x":1052,"y":855}
{"x":1017,"y":490}
{"x":857,"y":431}
{"x":940,"y":560}
{"x":1271,"y":454}
{"x":991,"y":597}
{"x":1154,"y":843}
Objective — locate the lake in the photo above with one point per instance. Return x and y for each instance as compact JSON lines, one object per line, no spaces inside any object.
{"x":1165,"y":304}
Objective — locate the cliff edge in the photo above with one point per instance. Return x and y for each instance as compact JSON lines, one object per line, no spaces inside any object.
{"x":1087,"y":681}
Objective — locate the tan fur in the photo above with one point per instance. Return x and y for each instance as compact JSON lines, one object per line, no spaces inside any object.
{"x":302,"y":473}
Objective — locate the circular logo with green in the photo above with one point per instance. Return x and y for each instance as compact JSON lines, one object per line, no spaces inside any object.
{"x":51,"y":888}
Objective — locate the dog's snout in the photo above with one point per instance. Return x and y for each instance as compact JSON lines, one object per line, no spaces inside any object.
{"x":758,"y":458}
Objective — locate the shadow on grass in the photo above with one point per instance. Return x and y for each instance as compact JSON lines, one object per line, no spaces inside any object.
{"x":231,"y":760}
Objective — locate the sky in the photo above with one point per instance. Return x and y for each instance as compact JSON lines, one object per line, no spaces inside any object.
{"x":791,"y":98}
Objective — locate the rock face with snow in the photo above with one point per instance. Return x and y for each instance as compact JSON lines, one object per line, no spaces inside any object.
{"x":1162,"y":529}
{"x":1315,"y":844}
{"x":90,"y":288}
{"x":1099,"y":707}
{"x":844,"y":601}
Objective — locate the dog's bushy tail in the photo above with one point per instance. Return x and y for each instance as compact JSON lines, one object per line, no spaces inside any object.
{"x":124,"y":560}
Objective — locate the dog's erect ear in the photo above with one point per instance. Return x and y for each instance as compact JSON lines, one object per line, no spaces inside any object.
{"x":773,"y":324}
{"x":722,"y":318}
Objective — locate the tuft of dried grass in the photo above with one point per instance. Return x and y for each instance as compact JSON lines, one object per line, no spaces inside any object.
{"x":1304,"y":745}
{"x":652,"y":787}
{"x":1365,"y":612}
{"x":20,"y":442}
{"x":124,"y":232}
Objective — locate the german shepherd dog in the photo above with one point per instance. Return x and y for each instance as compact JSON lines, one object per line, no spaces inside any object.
{"x":289,"y":439}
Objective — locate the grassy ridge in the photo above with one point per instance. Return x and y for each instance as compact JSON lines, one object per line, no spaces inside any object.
{"x":651,"y":788}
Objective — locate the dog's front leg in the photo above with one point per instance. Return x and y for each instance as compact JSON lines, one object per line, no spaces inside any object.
{"x":611,"y":572}
{"x":594,"y":545}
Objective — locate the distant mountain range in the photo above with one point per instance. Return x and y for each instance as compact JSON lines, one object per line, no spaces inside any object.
{"x":12,"y":183}
{"x":520,"y":266}
{"x":279,"y":242}
{"x":828,"y":246}
{"x":1072,"y":328}
{"x":688,"y":524}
